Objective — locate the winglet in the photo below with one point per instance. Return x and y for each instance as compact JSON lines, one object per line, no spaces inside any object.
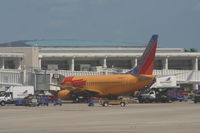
{"x":146,"y":62}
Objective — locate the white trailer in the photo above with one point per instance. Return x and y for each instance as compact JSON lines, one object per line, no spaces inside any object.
{"x":169,"y":81}
{"x":20,"y":91}
{"x":15,"y":92}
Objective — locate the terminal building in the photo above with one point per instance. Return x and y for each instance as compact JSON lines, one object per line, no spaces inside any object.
{"x":69,"y":57}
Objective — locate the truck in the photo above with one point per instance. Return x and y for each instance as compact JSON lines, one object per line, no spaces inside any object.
{"x":15,"y":92}
{"x":196,"y":98}
{"x":178,"y":95}
{"x":105,"y":102}
{"x":158,"y":92}
{"x":153,"y":96}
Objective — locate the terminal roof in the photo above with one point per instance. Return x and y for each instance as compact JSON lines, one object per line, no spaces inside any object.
{"x":67,"y":43}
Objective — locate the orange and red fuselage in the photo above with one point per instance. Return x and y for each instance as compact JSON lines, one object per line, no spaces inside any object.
{"x":105,"y":85}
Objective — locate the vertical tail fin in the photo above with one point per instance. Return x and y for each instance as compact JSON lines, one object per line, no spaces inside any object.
{"x":146,"y":62}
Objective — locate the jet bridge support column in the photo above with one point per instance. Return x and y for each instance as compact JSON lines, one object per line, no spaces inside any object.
{"x":3,"y":63}
{"x":195,"y":86}
{"x":40,"y":63}
{"x":133,"y":62}
{"x":166,"y":63}
{"x":136,"y":62}
{"x":19,"y":63}
{"x":195,"y":64}
{"x":195,"y":68}
{"x":72,"y":64}
{"x":105,"y":62}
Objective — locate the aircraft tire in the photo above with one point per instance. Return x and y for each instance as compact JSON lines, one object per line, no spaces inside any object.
{"x":3,"y":103}
{"x":105,"y":104}
{"x":91,"y":104}
{"x":122,"y":104}
{"x":147,"y":100}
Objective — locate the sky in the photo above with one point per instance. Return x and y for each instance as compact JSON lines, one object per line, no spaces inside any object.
{"x":176,"y":21}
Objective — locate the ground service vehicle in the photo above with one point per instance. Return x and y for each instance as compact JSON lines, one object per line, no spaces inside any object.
{"x":15,"y":92}
{"x":178,"y":95}
{"x":20,"y":91}
{"x":153,"y":96}
{"x":31,"y":100}
{"x":57,"y":101}
{"x":5,"y":97}
{"x":106,"y":102}
{"x":43,"y":101}
{"x":197,"y":97}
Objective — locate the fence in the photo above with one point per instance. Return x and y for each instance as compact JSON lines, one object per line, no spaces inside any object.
{"x":27,"y":77}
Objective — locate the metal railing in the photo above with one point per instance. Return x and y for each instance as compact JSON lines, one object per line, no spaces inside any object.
{"x":181,"y":75}
{"x":20,"y":77}
{"x":10,"y":77}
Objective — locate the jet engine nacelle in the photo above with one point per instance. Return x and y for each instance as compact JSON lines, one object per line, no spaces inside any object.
{"x":64,"y":94}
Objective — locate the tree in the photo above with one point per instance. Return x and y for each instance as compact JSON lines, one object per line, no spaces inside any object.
{"x":191,"y":50}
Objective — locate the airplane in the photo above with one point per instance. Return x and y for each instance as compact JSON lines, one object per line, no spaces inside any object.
{"x":116,"y":84}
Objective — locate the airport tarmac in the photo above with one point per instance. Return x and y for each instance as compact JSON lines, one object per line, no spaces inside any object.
{"x":79,"y":118}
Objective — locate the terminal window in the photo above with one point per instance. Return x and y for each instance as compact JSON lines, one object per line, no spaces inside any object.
{"x":81,"y":65}
{"x":123,"y":64}
{"x":158,"y":65}
{"x":180,"y":64}
{"x":61,"y":64}
{"x":198,"y":64}
{"x":9,"y":64}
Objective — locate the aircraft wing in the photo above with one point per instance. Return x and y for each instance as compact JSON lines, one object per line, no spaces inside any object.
{"x":94,"y":91}
{"x":82,"y":90}
{"x":142,"y":77}
{"x":66,"y":87}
